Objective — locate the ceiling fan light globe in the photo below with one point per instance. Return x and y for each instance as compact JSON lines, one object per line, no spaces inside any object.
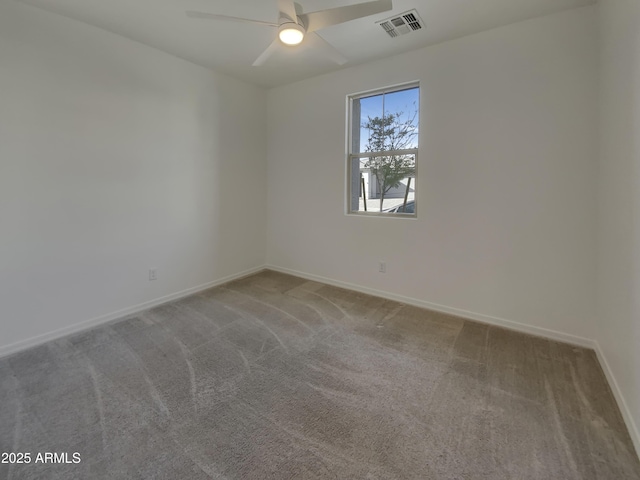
{"x":291,"y":33}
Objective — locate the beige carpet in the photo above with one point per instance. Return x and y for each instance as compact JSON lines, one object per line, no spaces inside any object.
{"x":277,"y":377}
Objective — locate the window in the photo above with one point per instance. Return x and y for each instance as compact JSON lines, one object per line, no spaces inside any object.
{"x":383,"y":152}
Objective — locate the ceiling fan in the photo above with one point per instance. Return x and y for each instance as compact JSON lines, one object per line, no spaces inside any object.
{"x":294,"y":25}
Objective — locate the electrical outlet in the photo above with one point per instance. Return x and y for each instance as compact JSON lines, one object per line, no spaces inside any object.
{"x":153,"y":274}
{"x":382,"y":267}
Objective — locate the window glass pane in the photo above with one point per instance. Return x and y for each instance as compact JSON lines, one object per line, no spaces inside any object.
{"x":370,"y":185}
{"x":388,"y":121}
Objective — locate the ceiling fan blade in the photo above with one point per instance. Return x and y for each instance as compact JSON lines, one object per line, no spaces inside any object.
{"x":316,"y":41}
{"x":264,"y":56}
{"x":214,"y":16}
{"x":287,"y":8}
{"x":333,"y":16}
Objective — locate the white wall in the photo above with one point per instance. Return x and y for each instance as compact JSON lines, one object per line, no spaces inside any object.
{"x":619,"y":201}
{"x":506,"y":188}
{"x":115,"y":158}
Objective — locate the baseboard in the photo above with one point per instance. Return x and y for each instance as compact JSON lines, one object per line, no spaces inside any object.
{"x":110,"y":317}
{"x":501,"y":322}
{"x":634,"y":433}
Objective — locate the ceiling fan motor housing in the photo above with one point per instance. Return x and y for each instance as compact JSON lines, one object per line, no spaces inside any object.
{"x":291,"y":33}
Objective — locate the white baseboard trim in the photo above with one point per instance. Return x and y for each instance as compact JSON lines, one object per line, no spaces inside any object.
{"x":501,"y":322}
{"x":117,"y":315}
{"x":634,"y":433}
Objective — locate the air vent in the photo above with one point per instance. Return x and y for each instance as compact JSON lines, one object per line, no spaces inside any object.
{"x":402,"y":24}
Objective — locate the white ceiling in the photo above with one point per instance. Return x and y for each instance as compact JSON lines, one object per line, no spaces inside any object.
{"x":231,"y":48}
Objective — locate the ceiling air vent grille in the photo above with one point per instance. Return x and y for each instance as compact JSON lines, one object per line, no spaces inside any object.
{"x":402,"y":24}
